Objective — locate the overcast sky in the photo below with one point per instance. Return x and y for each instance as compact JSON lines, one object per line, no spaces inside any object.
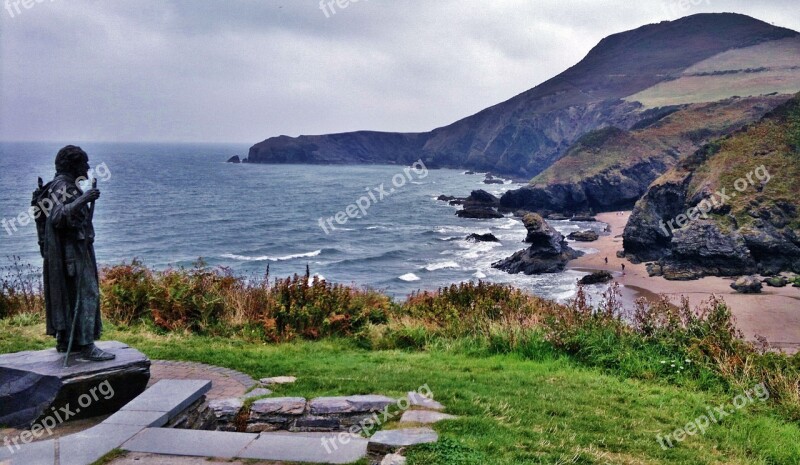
{"x":242,"y":71}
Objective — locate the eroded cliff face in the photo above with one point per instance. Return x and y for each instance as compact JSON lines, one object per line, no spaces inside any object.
{"x":518,"y":145}
{"x":730,"y":209}
{"x":524,"y":142}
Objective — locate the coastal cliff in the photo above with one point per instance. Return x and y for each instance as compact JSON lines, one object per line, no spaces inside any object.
{"x":610,"y":169}
{"x":524,"y":135}
{"x":730,"y":209}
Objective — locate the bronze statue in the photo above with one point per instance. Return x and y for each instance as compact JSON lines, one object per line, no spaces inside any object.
{"x":66,"y":241}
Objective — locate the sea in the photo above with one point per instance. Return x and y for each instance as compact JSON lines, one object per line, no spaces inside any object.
{"x":382,"y":227}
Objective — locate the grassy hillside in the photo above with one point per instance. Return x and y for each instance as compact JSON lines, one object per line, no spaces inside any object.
{"x":768,"y":67}
{"x":773,"y":144}
{"x":533,"y":381}
{"x":611,"y":168}
{"x":537,"y":409}
{"x":678,"y":134}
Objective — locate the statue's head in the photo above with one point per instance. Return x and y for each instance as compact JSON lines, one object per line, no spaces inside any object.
{"x":72,"y":160}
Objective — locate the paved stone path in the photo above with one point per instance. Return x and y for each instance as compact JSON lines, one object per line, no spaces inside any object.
{"x":137,"y":430}
{"x":225,"y":383}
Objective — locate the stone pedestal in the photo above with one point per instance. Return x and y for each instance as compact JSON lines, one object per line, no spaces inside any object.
{"x":35,"y":385}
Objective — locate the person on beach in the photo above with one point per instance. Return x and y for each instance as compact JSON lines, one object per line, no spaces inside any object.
{"x":606,"y":260}
{"x":623,"y":269}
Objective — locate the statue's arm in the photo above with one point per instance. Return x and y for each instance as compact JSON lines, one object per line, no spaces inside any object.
{"x":67,"y":213}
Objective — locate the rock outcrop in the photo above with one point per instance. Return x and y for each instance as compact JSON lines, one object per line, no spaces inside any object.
{"x":479,"y":205}
{"x":488,"y":237}
{"x":234,"y":159}
{"x":598,"y":277}
{"x":548,"y":252}
{"x":747,"y":285}
{"x":726,"y":210}
{"x":583,"y":236}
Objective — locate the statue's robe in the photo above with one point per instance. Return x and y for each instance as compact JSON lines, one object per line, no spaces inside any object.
{"x":70,"y":268}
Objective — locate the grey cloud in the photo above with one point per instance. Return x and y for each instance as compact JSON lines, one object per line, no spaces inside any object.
{"x":244,"y":70}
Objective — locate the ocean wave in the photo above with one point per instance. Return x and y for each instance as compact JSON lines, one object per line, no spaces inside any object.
{"x":268,"y":258}
{"x":460,"y":230}
{"x":408,"y":277}
{"x":441,"y":266}
{"x":509,"y":223}
{"x":479,"y":274}
{"x":382,"y":256}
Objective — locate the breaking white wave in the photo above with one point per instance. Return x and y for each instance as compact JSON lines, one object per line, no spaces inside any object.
{"x":479,"y":274}
{"x":408,"y":277}
{"x":269,"y":258}
{"x":509,"y":223}
{"x":441,"y":266}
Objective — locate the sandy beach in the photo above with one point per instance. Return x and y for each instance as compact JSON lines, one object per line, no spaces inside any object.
{"x":774,"y":314}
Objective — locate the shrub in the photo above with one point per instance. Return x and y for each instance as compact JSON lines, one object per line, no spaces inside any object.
{"x":213,"y":300}
{"x":20,"y":289}
{"x":125,"y":291}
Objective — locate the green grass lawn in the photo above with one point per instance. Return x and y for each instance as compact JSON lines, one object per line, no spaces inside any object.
{"x":546,"y":409}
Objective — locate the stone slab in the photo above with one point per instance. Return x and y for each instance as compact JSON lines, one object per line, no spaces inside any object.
{"x":393,"y":459}
{"x":193,"y":443}
{"x":258,"y":392}
{"x":416,"y":399}
{"x":350,"y":404}
{"x":170,"y":396}
{"x":226,"y":409}
{"x":88,"y":446}
{"x":388,"y":441}
{"x":307,"y":447}
{"x":278,"y":380}
{"x":138,"y":418}
{"x":425,"y":417}
{"x":34,"y":381}
{"x":278,"y":406}
{"x":39,"y":453}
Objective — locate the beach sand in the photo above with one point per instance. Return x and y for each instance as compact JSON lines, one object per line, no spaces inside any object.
{"x":774,"y":314}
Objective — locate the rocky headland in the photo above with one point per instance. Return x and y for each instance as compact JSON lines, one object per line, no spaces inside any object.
{"x":730,"y":209}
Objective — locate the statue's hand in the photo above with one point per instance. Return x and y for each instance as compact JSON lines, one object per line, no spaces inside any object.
{"x":89,"y":196}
